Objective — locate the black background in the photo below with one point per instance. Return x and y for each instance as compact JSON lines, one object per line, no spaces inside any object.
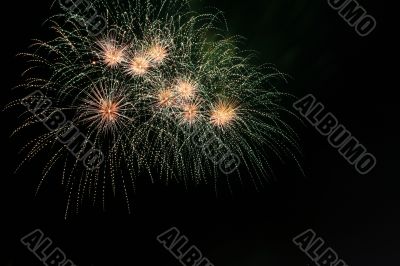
{"x":356,"y":215}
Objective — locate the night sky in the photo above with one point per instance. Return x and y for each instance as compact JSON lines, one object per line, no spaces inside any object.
{"x":356,"y":215}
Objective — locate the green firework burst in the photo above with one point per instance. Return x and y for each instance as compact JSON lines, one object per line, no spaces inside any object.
{"x":160,"y":91}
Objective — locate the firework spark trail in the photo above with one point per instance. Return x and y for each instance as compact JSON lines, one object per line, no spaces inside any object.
{"x":144,"y":86}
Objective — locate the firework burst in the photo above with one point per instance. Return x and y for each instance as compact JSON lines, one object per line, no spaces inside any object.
{"x":106,"y":108}
{"x":223,"y":114}
{"x":111,"y":53}
{"x":143,"y":87}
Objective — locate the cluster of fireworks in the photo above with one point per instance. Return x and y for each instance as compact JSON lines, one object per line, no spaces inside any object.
{"x":181,"y":96}
{"x":157,"y":74}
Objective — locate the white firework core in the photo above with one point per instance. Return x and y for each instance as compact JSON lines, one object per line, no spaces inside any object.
{"x":185,"y":89}
{"x":111,"y":54}
{"x":106,"y":110}
{"x":223,"y":114}
{"x":139,"y":65}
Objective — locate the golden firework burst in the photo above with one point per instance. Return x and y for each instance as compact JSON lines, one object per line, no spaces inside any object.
{"x":111,"y":53}
{"x":106,"y":109}
{"x":190,"y":113}
{"x":186,"y":89}
{"x":139,"y":65}
{"x":165,"y":98}
{"x":157,"y":53}
{"x":223,"y":114}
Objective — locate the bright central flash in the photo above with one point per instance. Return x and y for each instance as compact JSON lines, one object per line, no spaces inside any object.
{"x":139,"y":66}
{"x":106,"y":110}
{"x":186,"y":90}
{"x":223,"y":114}
{"x":109,"y":111}
{"x":190,"y":113}
{"x":111,"y":54}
